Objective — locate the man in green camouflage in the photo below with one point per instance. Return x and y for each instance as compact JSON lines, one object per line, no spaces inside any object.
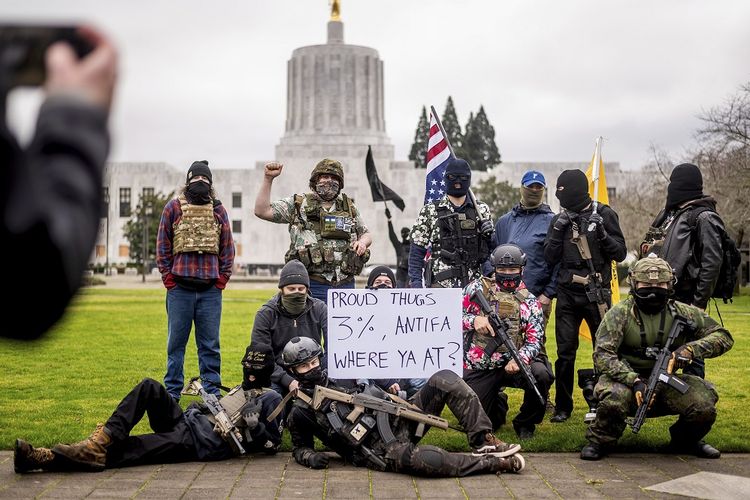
{"x":624,"y":342}
{"x":327,"y":232}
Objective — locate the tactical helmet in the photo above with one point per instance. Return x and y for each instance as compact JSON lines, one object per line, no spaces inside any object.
{"x":508,"y":255}
{"x":299,"y":350}
{"x":327,"y":166}
{"x":651,"y":270}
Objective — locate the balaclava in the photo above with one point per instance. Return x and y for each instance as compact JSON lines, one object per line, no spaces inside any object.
{"x":685,"y":184}
{"x":381,"y":271}
{"x":457,"y":172}
{"x":199,"y":192}
{"x":573,"y":190}
{"x":260,"y":363}
{"x":294,"y":273}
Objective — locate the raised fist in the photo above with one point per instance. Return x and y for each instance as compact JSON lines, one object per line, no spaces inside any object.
{"x":272,"y":170}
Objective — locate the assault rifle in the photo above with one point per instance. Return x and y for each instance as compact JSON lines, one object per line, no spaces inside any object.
{"x":501,"y":332}
{"x":229,"y":432}
{"x":456,"y":258}
{"x":592,"y":282}
{"x":660,"y":372}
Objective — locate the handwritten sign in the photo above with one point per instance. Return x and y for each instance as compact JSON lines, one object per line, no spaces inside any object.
{"x":394,"y":333}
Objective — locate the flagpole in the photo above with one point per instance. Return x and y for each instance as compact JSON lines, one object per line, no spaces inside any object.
{"x":595,"y":177}
{"x":453,"y":155}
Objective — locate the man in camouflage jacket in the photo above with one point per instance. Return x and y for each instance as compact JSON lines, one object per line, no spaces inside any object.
{"x":621,"y":356}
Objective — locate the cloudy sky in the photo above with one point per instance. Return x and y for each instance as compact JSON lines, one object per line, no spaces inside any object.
{"x":208,"y":79}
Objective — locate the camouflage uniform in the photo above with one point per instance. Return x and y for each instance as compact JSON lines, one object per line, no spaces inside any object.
{"x":323,"y":257}
{"x":425,"y":233}
{"x":618,"y":339}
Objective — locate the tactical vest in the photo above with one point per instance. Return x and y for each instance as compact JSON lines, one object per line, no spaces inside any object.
{"x":507,"y":305}
{"x":639,"y":337}
{"x":337,"y":225}
{"x":460,"y":237}
{"x":572,"y":259}
{"x":235,"y":399}
{"x":197,"y":230}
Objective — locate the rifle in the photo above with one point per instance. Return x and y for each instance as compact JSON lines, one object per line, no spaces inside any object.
{"x":228,"y":430}
{"x":456,"y":258}
{"x":501,"y":331}
{"x":592,"y":282}
{"x":660,"y":374}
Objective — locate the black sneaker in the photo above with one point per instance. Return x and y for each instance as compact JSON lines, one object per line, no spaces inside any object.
{"x":560,"y":416}
{"x":524,"y":433}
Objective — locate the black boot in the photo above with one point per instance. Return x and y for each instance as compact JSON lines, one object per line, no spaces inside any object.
{"x":26,"y":458}
{"x":700,"y":449}
{"x":592,"y":451}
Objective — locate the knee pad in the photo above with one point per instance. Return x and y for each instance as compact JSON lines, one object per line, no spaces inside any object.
{"x":429,"y":458}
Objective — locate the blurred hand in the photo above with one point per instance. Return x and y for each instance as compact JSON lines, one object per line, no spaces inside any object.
{"x":293,"y":386}
{"x":544,"y":300}
{"x":511,"y":367}
{"x":318,"y":460}
{"x":482,"y":326}
{"x":272,"y":170}
{"x":394,"y":388}
{"x":639,"y":389}
{"x":598,"y":221}
{"x":92,"y":78}
{"x":359,"y":247}
{"x":564,"y":219}
{"x":681,"y":357}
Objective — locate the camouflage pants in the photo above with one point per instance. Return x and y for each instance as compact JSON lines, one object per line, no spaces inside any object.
{"x":696,"y":408}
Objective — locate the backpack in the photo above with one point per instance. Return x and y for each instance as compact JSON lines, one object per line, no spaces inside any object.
{"x":730,"y":261}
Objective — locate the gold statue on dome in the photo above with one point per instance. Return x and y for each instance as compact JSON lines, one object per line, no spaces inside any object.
{"x":335,"y":11}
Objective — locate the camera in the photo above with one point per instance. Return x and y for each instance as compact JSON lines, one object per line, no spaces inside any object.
{"x":23,"y":48}
{"x":587,"y":379}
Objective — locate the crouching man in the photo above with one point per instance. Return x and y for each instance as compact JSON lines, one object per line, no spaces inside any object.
{"x":366,"y":439}
{"x":178,"y":436}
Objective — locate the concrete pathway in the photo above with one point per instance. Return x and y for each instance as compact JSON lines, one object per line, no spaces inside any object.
{"x":547,"y":475}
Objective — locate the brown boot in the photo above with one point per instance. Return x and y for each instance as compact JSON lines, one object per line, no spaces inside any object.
{"x":91,"y":452}
{"x":514,"y":463}
{"x":26,"y":458}
{"x":493,"y":446}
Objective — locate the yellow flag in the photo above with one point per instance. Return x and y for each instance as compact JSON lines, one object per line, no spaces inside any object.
{"x":603,"y":197}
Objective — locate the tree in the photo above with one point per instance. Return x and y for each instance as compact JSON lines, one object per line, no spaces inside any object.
{"x":500,"y":196}
{"x":479,"y":142}
{"x":133,"y":229}
{"x":453,"y":129}
{"x":418,"y":152}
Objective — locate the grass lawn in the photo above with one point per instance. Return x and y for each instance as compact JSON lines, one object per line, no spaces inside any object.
{"x":58,"y":388}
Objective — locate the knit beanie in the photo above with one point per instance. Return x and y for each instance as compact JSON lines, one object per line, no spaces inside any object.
{"x":199,"y":168}
{"x":294,"y":273}
{"x":260,"y":363}
{"x":685,"y":184}
{"x":573,"y":190}
{"x":380,"y":271}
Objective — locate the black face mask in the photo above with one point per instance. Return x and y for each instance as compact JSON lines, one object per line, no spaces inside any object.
{"x":463,"y":182}
{"x":651,"y":299}
{"x":316,"y":376}
{"x":199,"y":193}
{"x":508,"y":282}
{"x":380,"y":286}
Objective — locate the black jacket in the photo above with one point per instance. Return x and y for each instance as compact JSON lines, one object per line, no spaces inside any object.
{"x":275,"y":327}
{"x":559,"y":249}
{"x":50,"y":208}
{"x":696,"y":258}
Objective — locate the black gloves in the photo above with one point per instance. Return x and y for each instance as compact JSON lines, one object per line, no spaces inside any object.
{"x":388,"y":214}
{"x":597,"y":220}
{"x":486,"y":228}
{"x":564,"y":219}
{"x":639,"y":388}
{"x":251,"y":413}
{"x":317,"y":460}
{"x":681,"y":357}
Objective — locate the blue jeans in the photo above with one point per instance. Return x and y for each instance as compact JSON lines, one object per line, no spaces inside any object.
{"x":320,"y":290}
{"x":411,"y":385}
{"x":183,"y":308}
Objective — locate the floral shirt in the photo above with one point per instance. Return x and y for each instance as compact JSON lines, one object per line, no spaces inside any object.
{"x":530,"y":326}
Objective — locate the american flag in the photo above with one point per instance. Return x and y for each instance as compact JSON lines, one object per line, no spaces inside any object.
{"x":438,"y":154}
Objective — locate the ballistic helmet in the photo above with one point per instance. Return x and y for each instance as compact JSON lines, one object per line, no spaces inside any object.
{"x":330,"y":167}
{"x":651,"y":270}
{"x":299,"y":350}
{"x":508,"y":255}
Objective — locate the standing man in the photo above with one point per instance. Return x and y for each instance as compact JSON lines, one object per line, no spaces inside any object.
{"x":624,"y":340}
{"x":606,"y":243}
{"x":327,"y":233}
{"x":457,"y":233}
{"x":195,"y":253}
{"x":394,"y":448}
{"x":402,"y":247}
{"x":488,"y":366}
{"x":526,"y":225}
{"x":292,"y":312}
{"x":688,"y":235}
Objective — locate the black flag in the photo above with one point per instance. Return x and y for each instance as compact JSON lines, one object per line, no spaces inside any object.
{"x":380,"y":192}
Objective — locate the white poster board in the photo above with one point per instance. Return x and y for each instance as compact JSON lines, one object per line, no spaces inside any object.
{"x":394,"y":333}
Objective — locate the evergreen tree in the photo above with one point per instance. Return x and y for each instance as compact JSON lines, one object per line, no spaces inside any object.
{"x":499,"y":196}
{"x":418,"y":152}
{"x":133,"y":230}
{"x":453,"y":129}
{"x":479,"y":142}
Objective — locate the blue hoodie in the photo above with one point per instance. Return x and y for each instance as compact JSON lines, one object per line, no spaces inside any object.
{"x":527,"y":228}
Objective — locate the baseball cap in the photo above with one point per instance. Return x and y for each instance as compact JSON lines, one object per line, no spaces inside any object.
{"x":533,"y":176}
